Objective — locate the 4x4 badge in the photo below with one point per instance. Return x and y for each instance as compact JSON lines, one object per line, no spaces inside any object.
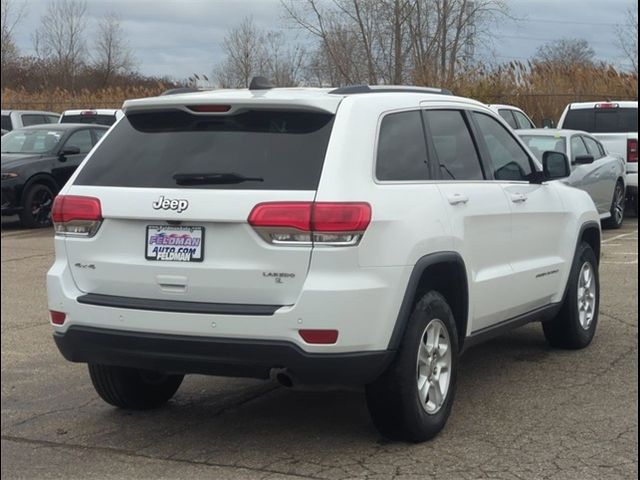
{"x":179,"y":205}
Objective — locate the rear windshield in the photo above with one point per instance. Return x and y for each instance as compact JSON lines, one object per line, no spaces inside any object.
{"x":6,"y":122}
{"x":602,"y":120}
{"x":256,"y":149}
{"x":107,"y":120}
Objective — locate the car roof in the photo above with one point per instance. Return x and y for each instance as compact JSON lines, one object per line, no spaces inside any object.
{"x":7,"y":112}
{"x":321,"y":99}
{"x":552,"y":132}
{"x":586,"y":105}
{"x":507,"y":107}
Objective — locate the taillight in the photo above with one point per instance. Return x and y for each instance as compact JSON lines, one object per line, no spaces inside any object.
{"x":209,"y":108}
{"x":76,"y":216}
{"x":607,"y":106}
{"x":57,"y":318}
{"x":307,"y":223}
{"x":632,"y":150}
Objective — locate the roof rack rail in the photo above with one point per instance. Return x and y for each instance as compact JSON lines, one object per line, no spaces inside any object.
{"x":176,"y":91}
{"x":357,"y":89}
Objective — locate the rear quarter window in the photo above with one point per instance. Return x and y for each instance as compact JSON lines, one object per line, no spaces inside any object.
{"x":285,"y":150}
{"x":402,"y":148}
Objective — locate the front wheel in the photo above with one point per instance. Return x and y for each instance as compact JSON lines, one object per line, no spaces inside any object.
{"x":412,"y":400}
{"x":132,"y":388}
{"x":575,"y":325}
{"x":618,"y":205}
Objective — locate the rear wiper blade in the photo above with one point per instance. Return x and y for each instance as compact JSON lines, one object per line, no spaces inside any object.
{"x":213,"y":178}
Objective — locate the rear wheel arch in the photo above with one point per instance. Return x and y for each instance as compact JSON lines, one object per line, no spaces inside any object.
{"x":446,"y":273}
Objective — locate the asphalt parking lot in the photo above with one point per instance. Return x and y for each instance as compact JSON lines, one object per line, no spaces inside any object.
{"x":522,"y":411}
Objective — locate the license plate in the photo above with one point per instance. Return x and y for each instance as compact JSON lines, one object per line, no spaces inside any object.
{"x":167,"y":243}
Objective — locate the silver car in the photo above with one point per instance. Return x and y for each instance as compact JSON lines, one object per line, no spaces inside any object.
{"x":599,"y":173}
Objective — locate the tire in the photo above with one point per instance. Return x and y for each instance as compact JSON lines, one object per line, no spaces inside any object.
{"x":132,"y":388}
{"x":618,"y":204}
{"x":632,"y":205}
{"x":36,"y":206}
{"x":394,"y":400}
{"x":575,"y":326}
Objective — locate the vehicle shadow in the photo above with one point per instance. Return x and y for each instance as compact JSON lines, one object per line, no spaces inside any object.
{"x":266,"y":423}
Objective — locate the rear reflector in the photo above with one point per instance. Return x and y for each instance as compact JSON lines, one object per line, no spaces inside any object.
{"x":76,"y":216}
{"x":57,"y":318}
{"x":324,"y":337}
{"x":209,"y":108}
{"x":632,"y":150}
{"x":306,"y":223}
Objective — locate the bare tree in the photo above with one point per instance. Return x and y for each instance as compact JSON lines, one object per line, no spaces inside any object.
{"x":282,"y":63}
{"x":12,"y":14}
{"x":628,"y":37}
{"x":566,"y":51}
{"x":394,"y":41}
{"x":111,"y":54}
{"x":60,"y":37}
{"x":244,"y":48}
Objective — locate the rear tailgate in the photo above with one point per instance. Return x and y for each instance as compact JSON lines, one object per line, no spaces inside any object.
{"x":189,"y":239}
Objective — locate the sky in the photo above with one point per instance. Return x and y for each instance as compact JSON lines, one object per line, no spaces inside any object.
{"x":178,"y":38}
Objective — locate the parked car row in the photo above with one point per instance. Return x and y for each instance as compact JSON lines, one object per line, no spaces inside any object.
{"x":13,"y":119}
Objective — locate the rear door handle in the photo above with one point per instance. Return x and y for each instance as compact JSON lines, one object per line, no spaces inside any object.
{"x":518,"y":197}
{"x":457,"y":199}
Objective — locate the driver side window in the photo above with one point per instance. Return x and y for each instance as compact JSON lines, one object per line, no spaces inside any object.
{"x":81,"y":139}
{"x":510,"y":161}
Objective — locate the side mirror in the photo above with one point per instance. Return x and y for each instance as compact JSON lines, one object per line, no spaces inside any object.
{"x":548,"y":123}
{"x":70,"y":150}
{"x":555,"y":166}
{"x":584,"y":160}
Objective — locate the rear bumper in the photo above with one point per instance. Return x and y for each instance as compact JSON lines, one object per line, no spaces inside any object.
{"x":217,"y":356}
{"x":632,"y":184}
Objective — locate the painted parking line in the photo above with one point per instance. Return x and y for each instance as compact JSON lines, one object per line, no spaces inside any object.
{"x":618,"y":237}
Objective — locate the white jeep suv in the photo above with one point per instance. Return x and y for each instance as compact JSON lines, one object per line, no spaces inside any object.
{"x":353,"y":236}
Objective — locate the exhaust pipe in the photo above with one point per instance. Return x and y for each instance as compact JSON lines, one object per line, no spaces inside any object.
{"x":282,"y":376}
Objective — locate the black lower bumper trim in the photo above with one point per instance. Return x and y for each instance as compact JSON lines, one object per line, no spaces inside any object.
{"x":217,"y":356}
{"x":176,"y":305}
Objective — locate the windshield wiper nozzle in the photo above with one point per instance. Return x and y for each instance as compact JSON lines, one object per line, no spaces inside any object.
{"x":213,"y":178}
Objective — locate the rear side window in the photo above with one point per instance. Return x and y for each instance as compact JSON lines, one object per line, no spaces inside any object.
{"x":509,"y":159}
{"x":602,"y":120}
{"x":263,"y":149}
{"x":6,"y":123}
{"x":523,"y":121}
{"x":508,"y":117}
{"x":593,"y":147}
{"x":578,"y":148}
{"x":402,"y":149}
{"x":456,"y":153}
{"x":28,"y":120}
{"x":52,"y":118}
{"x":107,"y":120}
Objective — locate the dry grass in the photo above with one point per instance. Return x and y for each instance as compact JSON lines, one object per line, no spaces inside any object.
{"x":541,"y":90}
{"x":59,"y":100}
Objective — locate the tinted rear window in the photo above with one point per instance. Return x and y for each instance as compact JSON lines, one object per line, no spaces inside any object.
{"x":107,"y":120}
{"x":284,"y":149}
{"x":6,"y":122}
{"x":595,"y":120}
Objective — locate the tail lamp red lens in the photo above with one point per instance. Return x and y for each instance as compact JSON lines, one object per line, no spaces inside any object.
{"x":75,"y":215}
{"x":320,"y":337}
{"x":632,"y":150}
{"x":607,"y":106}
{"x":57,"y":318}
{"x":303,"y":223}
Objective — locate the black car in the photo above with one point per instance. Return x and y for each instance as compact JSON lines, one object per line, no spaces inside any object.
{"x":36,"y":162}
